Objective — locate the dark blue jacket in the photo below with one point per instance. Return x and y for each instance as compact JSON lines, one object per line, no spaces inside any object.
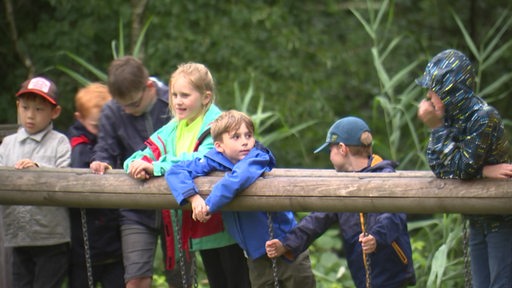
{"x":102,"y":224}
{"x":249,"y":229}
{"x":391,"y":263}
{"x":121,"y":134}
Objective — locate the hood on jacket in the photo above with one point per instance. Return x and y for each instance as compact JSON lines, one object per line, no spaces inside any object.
{"x":450,"y":75}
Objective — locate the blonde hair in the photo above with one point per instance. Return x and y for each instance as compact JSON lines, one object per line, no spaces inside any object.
{"x":230,"y":121}
{"x":200,"y":78}
{"x":91,"y":98}
{"x":366,"y":149}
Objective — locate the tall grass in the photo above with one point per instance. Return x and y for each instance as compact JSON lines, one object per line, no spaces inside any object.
{"x":397,"y":107}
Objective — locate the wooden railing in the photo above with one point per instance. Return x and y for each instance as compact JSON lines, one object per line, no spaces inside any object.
{"x":282,"y":189}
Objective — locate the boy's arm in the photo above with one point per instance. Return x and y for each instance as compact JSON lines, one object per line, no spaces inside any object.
{"x":180,"y":178}
{"x":108,"y":147}
{"x":164,"y":163}
{"x":464,"y":158}
{"x":244,"y":173}
{"x":388,"y":227}
{"x":307,"y":231}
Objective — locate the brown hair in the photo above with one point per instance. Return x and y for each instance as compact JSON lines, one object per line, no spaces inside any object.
{"x":91,"y":98}
{"x":230,"y":121}
{"x":365,"y":150}
{"x":126,"y":76}
{"x":200,"y":78}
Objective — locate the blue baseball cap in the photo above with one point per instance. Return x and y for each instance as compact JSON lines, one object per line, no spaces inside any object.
{"x":347,"y":130}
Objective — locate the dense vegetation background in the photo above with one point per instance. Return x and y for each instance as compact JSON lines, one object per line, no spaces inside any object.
{"x":308,"y":60}
{"x":298,"y":65}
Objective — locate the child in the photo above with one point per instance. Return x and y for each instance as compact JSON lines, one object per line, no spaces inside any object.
{"x":192,"y":104}
{"x":377,"y":245}
{"x":138,"y":108}
{"x":237,"y":152}
{"x":468,"y":141}
{"x":39,"y":235}
{"x":102,"y":225}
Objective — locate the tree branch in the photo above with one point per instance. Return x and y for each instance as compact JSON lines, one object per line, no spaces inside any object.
{"x":24,"y":57}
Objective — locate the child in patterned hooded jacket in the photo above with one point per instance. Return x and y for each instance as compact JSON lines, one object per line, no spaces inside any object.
{"x":468,"y":141}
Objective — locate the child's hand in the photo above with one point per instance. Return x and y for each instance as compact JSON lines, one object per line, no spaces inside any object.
{"x":498,"y":171}
{"x":274,"y":248}
{"x":429,"y":115}
{"x":368,"y":243}
{"x":25,"y":163}
{"x":140,"y":169}
{"x":200,"y":211}
{"x":98,"y":167}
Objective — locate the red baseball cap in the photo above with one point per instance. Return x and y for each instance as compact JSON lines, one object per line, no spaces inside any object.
{"x":40,"y":86}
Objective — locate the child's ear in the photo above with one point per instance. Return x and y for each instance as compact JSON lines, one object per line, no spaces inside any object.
{"x":207,"y":98}
{"x":56,"y":112}
{"x":218,"y":146}
{"x":79,"y":117}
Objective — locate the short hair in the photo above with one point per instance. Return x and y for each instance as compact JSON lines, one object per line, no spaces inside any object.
{"x":200,"y":78}
{"x":91,"y":98}
{"x":126,"y":76}
{"x":364,"y":150}
{"x":230,"y":121}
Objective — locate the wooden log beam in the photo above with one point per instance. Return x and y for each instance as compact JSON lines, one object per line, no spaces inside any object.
{"x":282,"y":189}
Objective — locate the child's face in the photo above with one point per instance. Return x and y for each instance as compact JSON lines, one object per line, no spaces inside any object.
{"x":35,"y":113}
{"x":139,"y":103}
{"x":236,"y":145}
{"x":187,"y":102}
{"x":436,"y":101}
{"x":90,"y":121}
{"x":337,"y":156}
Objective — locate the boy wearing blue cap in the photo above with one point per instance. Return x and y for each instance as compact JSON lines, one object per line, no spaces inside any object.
{"x":468,"y":141}
{"x":377,"y":245}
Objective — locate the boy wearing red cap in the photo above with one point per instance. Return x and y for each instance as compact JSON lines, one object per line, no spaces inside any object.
{"x":39,"y":235}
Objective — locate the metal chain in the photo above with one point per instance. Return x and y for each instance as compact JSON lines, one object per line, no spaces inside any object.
{"x":366,"y":257}
{"x":87,"y":251}
{"x":194,"y":269}
{"x":274,"y":260}
{"x":467,"y":259}
{"x":177,"y":231}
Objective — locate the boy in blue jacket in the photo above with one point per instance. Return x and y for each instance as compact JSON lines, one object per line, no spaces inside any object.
{"x":377,"y":245}
{"x":245,"y":160}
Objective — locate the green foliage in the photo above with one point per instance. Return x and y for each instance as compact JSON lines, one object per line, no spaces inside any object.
{"x":118,"y":50}
{"x":397,"y":107}
{"x":490,"y":51}
{"x":438,"y":251}
{"x":270,"y":126}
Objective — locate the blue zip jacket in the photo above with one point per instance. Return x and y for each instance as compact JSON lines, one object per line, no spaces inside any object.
{"x":391,"y":264}
{"x":249,"y":229}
